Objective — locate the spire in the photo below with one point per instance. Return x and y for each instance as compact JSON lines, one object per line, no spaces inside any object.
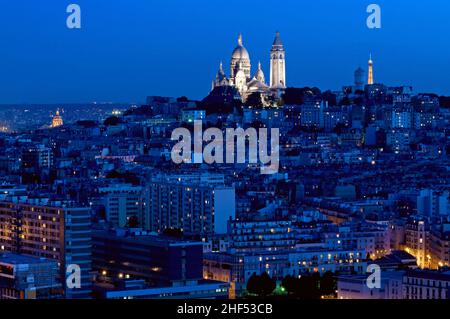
{"x":240,"y":39}
{"x":220,"y":73}
{"x":370,"y":80}
{"x":259,"y":75}
{"x":277,"y":64}
{"x":277,"y":40}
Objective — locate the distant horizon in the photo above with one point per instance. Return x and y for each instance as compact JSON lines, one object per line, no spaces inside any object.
{"x":140,"y":103}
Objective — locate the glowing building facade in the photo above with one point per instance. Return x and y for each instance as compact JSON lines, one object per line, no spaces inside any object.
{"x":370,"y":76}
{"x":57,"y":120}
{"x":240,"y":71}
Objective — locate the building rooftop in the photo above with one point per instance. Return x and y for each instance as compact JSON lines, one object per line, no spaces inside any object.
{"x":142,"y":237}
{"x":429,"y":274}
{"x":17,"y":259}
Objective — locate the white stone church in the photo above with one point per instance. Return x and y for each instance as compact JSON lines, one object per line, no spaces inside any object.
{"x":240,"y":72}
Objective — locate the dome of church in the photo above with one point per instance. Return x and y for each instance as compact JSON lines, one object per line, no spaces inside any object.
{"x":240,"y":53}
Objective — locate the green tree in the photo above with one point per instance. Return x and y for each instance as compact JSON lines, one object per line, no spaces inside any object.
{"x":112,"y":121}
{"x":253,"y":284}
{"x":305,"y":287}
{"x":328,"y":284}
{"x":289,"y":283}
{"x":261,"y":285}
{"x":268,"y":285}
{"x":255,"y":99}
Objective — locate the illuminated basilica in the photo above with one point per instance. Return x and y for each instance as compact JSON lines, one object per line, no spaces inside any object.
{"x":240,"y":72}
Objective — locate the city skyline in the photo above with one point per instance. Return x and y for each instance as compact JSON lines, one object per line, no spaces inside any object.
{"x":143,"y":52}
{"x":236,"y":153}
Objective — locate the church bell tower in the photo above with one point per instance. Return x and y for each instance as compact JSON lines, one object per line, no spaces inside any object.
{"x":277,"y":64}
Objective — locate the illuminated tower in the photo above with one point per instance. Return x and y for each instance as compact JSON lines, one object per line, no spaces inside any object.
{"x":57,"y":120}
{"x":277,"y":64}
{"x":370,"y":78}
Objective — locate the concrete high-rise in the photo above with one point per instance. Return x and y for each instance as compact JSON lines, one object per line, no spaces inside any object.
{"x":52,"y":231}
{"x":198,"y":204}
{"x":359,"y":79}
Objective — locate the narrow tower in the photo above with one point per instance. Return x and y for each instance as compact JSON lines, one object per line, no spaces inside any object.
{"x":277,"y":64}
{"x":359,"y":79}
{"x":370,"y":77}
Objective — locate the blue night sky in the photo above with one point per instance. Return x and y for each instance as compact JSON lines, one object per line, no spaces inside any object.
{"x":128,"y":49}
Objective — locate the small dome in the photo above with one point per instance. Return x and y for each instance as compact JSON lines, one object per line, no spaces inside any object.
{"x":220,"y":72}
{"x":240,"y":53}
{"x":259,"y":75}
